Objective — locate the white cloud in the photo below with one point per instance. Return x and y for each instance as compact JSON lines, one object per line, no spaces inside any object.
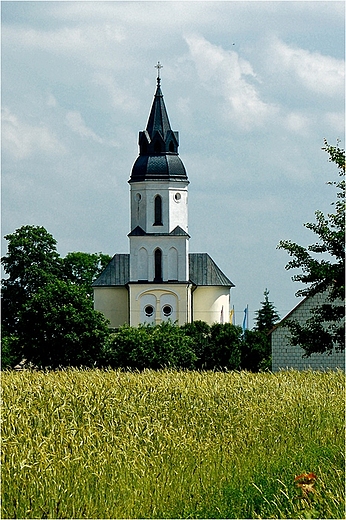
{"x":51,"y":101}
{"x":297,"y":123}
{"x":22,"y":140}
{"x":318,"y":73}
{"x":65,"y":39}
{"x":225,"y":73}
{"x":336,"y":121}
{"x":76,"y":123}
{"x":120,"y":98}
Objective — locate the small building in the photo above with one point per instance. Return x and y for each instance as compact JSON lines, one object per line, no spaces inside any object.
{"x":286,"y":356}
{"x":159,"y":279}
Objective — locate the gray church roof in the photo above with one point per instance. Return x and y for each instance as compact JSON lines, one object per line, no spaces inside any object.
{"x":116,"y":273}
{"x":203,"y":272}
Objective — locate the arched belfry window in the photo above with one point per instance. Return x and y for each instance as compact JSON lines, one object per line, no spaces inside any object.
{"x":157,"y":147}
{"x":171,"y":146}
{"x":158,"y":265}
{"x":158,"y":211}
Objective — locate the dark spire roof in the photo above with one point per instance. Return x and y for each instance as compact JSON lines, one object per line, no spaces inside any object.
{"x":158,"y":119}
{"x":158,"y":145}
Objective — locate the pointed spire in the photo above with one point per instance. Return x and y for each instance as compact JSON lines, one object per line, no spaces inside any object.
{"x":158,"y":145}
{"x":158,"y":119}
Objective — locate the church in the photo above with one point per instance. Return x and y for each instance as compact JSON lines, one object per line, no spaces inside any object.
{"x":159,"y":279}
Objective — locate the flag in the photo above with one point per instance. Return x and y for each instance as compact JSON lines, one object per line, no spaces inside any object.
{"x":221,"y":316}
{"x":231,"y":316}
{"x":246,"y":318}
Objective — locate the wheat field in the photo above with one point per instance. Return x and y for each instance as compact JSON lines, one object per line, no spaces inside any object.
{"x":171,"y":444}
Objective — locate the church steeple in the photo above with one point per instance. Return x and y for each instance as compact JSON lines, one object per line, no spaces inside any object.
{"x":158,"y":145}
{"x":158,"y":121}
{"x":153,"y":283}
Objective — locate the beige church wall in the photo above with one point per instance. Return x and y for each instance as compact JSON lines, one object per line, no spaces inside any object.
{"x":286,"y":356}
{"x":211,"y":304}
{"x":113,"y":303}
{"x":177,"y":297}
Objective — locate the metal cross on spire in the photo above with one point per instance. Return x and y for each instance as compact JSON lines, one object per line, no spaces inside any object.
{"x":158,"y":67}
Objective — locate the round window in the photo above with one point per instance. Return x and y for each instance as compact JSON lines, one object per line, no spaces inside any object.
{"x":167,"y":310}
{"x":149,"y":310}
{"x":177,"y":197}
{"x":138,"y":197}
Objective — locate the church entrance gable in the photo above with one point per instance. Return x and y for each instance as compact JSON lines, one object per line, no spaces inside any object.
{"x":157,"y":304}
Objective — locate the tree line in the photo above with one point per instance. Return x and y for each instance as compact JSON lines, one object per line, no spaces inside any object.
{"x":48,"y":319}
{"x":48,"y":316}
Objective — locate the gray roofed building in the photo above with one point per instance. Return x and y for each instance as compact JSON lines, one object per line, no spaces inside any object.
{"x":160,"y":280}
{"x":203,"y":272}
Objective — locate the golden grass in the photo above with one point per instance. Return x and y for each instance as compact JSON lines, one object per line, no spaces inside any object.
{"x":170,"y":444}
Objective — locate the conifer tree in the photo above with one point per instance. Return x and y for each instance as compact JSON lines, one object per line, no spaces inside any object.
{"x":266,"y":316}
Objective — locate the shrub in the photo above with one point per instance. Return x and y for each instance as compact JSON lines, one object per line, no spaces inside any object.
{"x":149,"y":346}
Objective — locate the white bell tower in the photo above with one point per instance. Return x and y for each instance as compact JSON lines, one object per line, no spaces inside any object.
{"x":160,"y":280}
{"x":159,"y":206}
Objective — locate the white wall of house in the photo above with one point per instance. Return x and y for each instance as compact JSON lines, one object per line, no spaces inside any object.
{"x":285,"y":356}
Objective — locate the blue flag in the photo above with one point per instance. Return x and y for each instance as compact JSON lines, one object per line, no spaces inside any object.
{"x":245,"y":320}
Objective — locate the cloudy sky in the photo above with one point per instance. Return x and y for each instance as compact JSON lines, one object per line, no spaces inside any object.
{"x":252,"y":87}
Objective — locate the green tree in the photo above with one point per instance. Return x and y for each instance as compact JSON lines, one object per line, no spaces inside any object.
{"x":225,"y":347}
{"x":150,"y":346}
{"x":266,"y":316}
{"x":199,"y":332}
{"x":35,"y":272}
{"x":31,"y":262}
{"x":83,"y":268}
{"x":256,"y":344}
{"x":60,"y":328}
{"x":325,"y":328}
{"x":255,"y":351}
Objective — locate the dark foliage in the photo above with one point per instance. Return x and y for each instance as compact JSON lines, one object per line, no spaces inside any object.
{"x":47,"y":308}
{"x":256,"y":351}
{"x":266,"y":316}
{"x":326,"y":327}
{"x":60,"y":328}
{"x":148,"y":346}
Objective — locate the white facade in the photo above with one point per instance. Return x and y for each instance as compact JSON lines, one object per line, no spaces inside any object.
{"x":174,"y":198}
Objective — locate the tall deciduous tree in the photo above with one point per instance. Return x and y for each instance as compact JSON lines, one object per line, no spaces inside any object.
{"x":83,"y":268}
{"x":325,"y":328}
{"x":60,"y":328}
{"x":31,"y":262}
{"x":47,"y":307}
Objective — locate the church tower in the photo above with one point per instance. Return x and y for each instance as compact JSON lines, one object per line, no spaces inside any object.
{"x":159,"y":279}
{"x":159,"y":261}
